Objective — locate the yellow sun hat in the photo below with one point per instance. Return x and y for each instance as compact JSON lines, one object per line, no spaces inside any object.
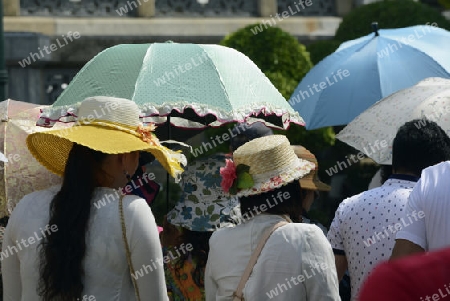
{"x":106,"y":124}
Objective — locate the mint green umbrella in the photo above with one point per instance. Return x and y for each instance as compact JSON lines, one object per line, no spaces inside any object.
{"x":194,"y":85}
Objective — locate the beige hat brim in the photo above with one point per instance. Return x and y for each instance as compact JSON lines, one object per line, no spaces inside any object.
{"x":296,"y":170}
{"x":314,"y":185}
{"x":51,"y":148}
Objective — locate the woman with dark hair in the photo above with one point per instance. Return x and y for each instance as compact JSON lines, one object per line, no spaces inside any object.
{"x":85,"y":240}
{"x":269,"y":256}
{"x":203,"y":208}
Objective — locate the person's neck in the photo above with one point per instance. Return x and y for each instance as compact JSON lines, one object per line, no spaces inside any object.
{"x":405,"y":172}
{"x":110,"y":182}
{"x":405,"y":176}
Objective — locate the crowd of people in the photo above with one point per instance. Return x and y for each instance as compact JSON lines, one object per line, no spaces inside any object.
{"x":240,"y":230}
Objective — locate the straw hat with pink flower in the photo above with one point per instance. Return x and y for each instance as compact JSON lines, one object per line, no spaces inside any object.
{"x":262,"y":165}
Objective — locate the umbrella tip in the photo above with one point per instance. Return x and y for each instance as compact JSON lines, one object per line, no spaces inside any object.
{"x":375,"y":28}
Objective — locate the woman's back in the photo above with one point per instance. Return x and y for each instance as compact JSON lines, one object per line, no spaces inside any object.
{"x":85,"y":257}
{"x":107,"y":275}
{"x":296,"y":263}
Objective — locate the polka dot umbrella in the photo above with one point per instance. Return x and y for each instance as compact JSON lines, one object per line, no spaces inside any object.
{"x":194,"y":85}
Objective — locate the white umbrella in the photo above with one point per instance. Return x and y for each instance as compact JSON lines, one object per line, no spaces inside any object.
{"x":20,"y":173}
{"x":3,"y":158}
{"x":373,"y":131}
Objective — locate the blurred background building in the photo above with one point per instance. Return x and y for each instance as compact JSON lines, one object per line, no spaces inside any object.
{"x":32,"y":24}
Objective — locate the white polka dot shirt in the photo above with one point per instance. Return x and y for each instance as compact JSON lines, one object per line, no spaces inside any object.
{"x":364,"y":226}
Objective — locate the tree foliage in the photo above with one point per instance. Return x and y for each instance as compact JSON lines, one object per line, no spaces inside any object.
{"x":388,"y":14}
{"x":321,"y":49}
{"x":285,"y":62}
{"x":272,"y":50}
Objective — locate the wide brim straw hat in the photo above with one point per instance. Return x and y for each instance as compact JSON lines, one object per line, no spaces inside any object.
{"x":106,"y":124}
{"x":203,"y":205}
{"x":269,"y":161}
{"x":311,"y":181}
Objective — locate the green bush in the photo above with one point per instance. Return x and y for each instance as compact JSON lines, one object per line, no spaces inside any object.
{"x":445,"y":3}
{"x":285,"y":62}
{"x":388,"y":14}
{"x":272,"y":50}
{"x":321,"y":49}
{"x":286,"y":85}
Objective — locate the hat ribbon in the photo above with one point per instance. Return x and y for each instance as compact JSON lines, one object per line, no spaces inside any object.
{"x":144,"y":132}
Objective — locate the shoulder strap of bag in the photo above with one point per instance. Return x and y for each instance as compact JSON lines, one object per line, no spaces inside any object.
{"x":237,"y":296}
{"x":127,"y":249}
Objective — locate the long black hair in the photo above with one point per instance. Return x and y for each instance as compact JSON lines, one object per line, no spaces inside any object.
{"x":62,"y":252}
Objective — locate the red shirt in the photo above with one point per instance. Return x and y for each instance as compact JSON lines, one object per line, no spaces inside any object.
{"x":423,"y":277}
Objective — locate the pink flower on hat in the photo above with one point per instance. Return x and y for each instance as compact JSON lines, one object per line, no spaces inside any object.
{"x":228,"y":174}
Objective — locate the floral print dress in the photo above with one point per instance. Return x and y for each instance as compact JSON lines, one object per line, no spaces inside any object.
{"x":180,"y":283}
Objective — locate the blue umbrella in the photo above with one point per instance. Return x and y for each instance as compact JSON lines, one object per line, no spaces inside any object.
{"x":363,"y":71}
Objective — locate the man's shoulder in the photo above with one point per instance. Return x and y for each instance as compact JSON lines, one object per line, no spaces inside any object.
{"x":364,"y":196}
{"x":366,"y":199}
{"x":436,"y":171}
{"x":374,"y":193}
